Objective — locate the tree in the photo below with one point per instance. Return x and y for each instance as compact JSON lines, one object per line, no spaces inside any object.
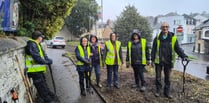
{"x":44,"y":15}
{"x":83,"y":16}
{"x":128,"y":20}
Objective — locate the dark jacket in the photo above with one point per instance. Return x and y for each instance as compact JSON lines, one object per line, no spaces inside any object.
{"x":86,"y":65}
{"x":95,"y":51}
{"x":165,"y":50}
{"x":136,"y":53}
{"x":32,"y":49}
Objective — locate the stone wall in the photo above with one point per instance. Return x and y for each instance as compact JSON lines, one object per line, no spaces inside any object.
{"x":10,"y":77}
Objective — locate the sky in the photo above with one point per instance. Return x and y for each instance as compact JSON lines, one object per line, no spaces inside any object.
{"x":113,"y":8}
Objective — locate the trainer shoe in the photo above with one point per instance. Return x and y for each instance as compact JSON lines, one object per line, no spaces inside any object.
{"x":142,"y":89}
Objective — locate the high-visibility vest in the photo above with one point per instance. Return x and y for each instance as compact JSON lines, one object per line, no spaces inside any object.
{"x":81,"y":52}
{"x":173,"y":41}
{"x":32,"y":66}
{"x":110,"y":55}
{"x":100,"y":56}
{"x":143,"y":44}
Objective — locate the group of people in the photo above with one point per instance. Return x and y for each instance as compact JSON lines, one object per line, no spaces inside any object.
{"x":91,"y":56}
{"x":164,"y":48}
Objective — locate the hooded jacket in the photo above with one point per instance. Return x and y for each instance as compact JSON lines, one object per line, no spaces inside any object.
{"x":136,"y":51}
{"x":85,"y":60}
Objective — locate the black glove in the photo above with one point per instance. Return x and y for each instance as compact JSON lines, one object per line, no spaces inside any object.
{"x":185,"y":59}
{"x":49,"y":61}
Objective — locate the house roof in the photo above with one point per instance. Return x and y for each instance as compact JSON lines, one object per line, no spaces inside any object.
{"x":204,"y":24}
{"x":187,"y":16}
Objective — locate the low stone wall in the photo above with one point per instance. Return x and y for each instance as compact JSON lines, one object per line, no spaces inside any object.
{"x":10,"y":74}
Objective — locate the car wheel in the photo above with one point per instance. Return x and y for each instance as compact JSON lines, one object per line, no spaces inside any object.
{"x":63,"y":47}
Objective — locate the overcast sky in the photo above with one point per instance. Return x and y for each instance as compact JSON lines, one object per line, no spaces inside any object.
{"x":113,"y":8}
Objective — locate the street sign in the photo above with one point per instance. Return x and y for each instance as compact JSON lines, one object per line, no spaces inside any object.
{"x":179,"y":29}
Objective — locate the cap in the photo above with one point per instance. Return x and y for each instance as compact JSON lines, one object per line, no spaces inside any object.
{"x":37,"y":34}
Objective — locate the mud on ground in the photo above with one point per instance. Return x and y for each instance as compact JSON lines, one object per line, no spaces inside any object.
{"x":196,"y":90}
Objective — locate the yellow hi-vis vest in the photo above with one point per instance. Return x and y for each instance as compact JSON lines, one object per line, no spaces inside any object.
{"x":143,"y":44}
{"x":110,"y":57}
{"x":173,"y":41}
{"x":81,"y":52}
{"x":100,"y":56}
{"x":32,"y":66}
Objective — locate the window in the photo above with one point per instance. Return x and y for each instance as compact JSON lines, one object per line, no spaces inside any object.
{"x":199,"y":37}
{"x":187,"y":21}
{"x":174,"y":30}
{"x":207,"y":33}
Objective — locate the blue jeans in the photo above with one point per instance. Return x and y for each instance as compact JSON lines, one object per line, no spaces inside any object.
{"x":110,"y":69}
{"x":96,"y":68}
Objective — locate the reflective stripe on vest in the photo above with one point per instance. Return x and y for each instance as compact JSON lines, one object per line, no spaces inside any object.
{"x":157,"y":60}
{"x":110,"y":57}
{"x":143,"y":44}
{"x":81,"y":52}
{"x":31,"y":65}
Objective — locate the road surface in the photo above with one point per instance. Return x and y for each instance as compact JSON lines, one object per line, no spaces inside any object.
{"x":66,"y":79}
{"x":197,"y":67}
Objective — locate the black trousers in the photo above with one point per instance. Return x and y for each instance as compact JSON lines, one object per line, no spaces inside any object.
{"x":167,"y":73}
{"x":139,"y":74}
{"x":39,"y":81}
{"x":84,"y":75}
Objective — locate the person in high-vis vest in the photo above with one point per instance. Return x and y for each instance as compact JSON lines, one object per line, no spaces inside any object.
{"x":36,"y":64}
{"x":83,"y":53}
{"x":113,"y":58}
{"x":164,"y":48}
{"x":96,"y":57}
{"x":138,"y":56}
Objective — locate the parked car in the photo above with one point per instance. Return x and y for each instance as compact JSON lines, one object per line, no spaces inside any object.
{"x":57,"y":41}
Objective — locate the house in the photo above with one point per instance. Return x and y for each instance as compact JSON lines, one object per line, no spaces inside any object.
{"x":202,"y":38}
{"x":102,"y":30}
{"x":200,"y":18}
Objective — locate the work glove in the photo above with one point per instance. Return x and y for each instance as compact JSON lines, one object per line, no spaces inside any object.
{"x":127,"y":64}
{"x":152,"y":64}
{"x":148,"y":63}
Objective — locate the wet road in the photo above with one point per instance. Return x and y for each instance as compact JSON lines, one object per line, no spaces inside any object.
{"x":197,"y":67}
{"x":66,"y":80}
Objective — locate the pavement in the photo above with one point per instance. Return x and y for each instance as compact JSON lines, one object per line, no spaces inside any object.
{"x":66,"y":79}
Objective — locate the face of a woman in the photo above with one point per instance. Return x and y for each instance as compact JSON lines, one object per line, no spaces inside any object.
{"x":84,"y":42}
{"x":113,"y":37}
{"x":136,"y":37}
{"x":93,"y":39}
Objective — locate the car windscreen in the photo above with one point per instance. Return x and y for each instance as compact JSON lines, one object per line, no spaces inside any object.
{"x":59,"y":38}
